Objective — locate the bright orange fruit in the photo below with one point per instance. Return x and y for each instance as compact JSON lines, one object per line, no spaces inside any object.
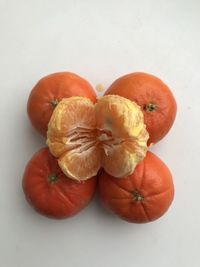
{"x":50,"y":192}
{"x":49,"y":91}
{"x":86,"y":136}
{"x":153,"y":96}
{"x":143,"y":196}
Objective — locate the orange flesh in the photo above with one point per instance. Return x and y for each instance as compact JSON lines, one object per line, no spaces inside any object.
{"x":84,"y":137}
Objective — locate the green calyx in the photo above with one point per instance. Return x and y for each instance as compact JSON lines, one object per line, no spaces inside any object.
{"x":150,"y":107}
{"x":54,"y":102}
{"x":137,"y":196}
{"x":52,"y":178}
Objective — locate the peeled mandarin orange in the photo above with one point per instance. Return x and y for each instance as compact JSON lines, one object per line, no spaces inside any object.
{"x":86,"y":136}
{"x":71,"y":138}
{"x":126,"y":145}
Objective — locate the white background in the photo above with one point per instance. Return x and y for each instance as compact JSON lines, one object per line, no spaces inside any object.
{"x":100,"y":40}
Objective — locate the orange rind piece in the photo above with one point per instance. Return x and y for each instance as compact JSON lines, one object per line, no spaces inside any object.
{"x":85,"y":137}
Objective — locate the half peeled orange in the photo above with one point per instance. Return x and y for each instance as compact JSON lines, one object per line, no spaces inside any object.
{"x":86,"y":136}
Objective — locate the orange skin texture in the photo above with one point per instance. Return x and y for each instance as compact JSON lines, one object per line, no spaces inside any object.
{"x":60,"y":199}
{"x":151,"y":178}
{"x":144,"y":89}
{"x":54,"y":87}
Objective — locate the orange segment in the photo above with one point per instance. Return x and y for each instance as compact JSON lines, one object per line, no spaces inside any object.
{"x":71,"y":113}
{"x":119,"y":115}
{"x":81,"y":165}
{"x":120,"y":160}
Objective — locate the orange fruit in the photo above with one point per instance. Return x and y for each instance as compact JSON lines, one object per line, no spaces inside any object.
{"x":143,"y":196}
{"x":50,"y":192}
{"x":47,"y":93}
{"x":85,"y":136}
{"x":153,"y":96}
